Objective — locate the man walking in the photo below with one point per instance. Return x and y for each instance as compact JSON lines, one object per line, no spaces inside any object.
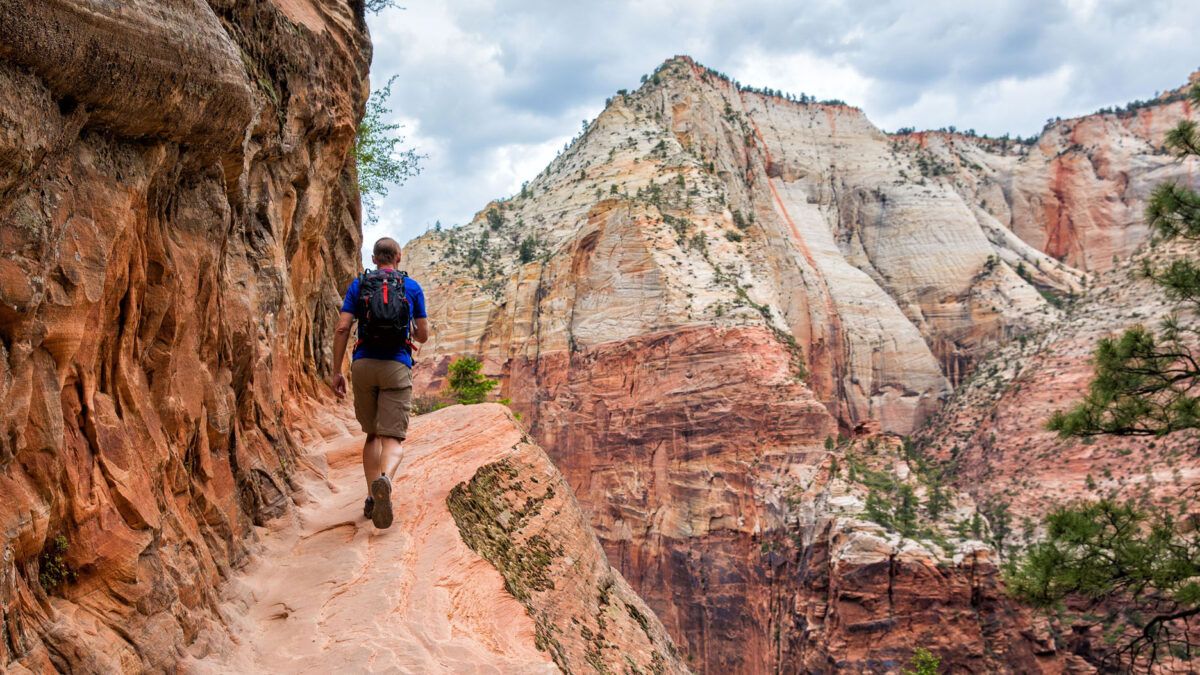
{"x":390,"y":310}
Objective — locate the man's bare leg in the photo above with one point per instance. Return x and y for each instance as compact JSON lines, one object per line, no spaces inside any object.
{"x":390,"y":454}
{"x":370,"y":459}
{"x":379,"y":465}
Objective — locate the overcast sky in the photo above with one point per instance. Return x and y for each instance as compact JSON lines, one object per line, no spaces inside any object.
{"x":491,"y":90}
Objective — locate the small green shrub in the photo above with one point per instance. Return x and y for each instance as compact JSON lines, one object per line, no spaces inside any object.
{"x":467,"y":384}
{"x":507,"y":402}
{"x":923,"y":662}
{"x":53,"y":570}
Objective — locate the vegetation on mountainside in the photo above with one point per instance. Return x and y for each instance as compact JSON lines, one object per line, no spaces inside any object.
{"x":53,"y":569}
{"x":923,"y":663}
{"x":380,"y":160}
{"x":1138,"y":561}
{"x":467,"y":384}
{"x":914,"y":507}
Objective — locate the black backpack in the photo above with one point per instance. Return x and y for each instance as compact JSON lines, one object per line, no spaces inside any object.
{"x":383,"y":313}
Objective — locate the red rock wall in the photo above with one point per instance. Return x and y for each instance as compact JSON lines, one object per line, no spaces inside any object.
{"x":1080,"y":195}
{"x":678,"y":444}
{"x":176,"y":205}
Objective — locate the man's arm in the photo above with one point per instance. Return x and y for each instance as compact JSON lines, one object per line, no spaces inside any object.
{"x":341,"y":335}
{"x":420,"y":329}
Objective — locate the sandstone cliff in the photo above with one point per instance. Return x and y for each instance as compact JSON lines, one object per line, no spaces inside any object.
{"x":490,"y":566}
{"x":177,"y":205}
{"x":710,"y":281}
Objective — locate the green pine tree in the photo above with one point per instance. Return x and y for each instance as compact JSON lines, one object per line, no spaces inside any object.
{"x":467,"y":384}
{"x":906,"y":510}
{"x":1117,"y":553}
{"x":1146,"y":383}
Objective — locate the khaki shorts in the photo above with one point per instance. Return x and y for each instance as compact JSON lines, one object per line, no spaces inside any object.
{"x":382,"y":396}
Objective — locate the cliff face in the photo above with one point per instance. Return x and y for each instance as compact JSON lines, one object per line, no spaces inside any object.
{"x":993,"y":432}
{"x":1075,"y":193}
{"x":177,"y":205}
{"x":993,"y":428}
{"x":709,"y":282}
{"x":491,"y":564}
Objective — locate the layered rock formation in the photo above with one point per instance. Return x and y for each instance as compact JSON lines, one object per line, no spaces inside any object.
{"x":1077,"y":191}
{"x":177,"y":204}
{"x":710,"y":281}
{"x":330,"y":592}
{"x":993,"y":428}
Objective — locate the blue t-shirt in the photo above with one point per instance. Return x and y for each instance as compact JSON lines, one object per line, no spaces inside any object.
{"x":416,"y":302}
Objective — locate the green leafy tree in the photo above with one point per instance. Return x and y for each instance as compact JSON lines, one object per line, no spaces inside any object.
{"x":495,"y":219}
{"x":378,"y":154}
{"x":1145,"y":383}
{"x":906,"y":510}
{"x":528,"y":250}
{"x":467,"y":384}
{"x":936,"y":501}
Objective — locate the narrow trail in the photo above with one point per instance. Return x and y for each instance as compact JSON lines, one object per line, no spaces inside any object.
{"x":327,"y":592}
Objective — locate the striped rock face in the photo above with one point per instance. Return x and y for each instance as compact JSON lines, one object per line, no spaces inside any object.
{"x":710,"y":282}
{"x":176,"y":213}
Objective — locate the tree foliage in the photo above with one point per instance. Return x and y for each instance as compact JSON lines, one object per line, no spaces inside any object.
{"x":381,"y":160}
{"x":1146,"y":382}
{"x":467,"y":384}
{"x":376,"y":6}
{"x":1108,"y":551}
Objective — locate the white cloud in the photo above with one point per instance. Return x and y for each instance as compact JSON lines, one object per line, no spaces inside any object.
{"x":800,"y":73}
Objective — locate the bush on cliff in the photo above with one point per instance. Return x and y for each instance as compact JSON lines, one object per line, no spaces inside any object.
{"x":923,"y":663}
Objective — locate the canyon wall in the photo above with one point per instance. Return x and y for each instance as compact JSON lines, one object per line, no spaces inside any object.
{"x":177,"y":209}
{"x":709,"y":282}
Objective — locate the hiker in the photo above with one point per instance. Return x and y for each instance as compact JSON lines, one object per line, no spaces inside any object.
{"x":390,"y":310}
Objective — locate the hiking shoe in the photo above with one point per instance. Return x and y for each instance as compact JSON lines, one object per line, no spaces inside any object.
{"x":368,"y":508}
{"x":381,"y":494}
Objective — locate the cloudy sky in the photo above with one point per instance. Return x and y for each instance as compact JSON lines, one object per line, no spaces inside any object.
{"x":491,"y":90}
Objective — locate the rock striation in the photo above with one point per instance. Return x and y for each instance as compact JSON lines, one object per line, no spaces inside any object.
{"x":490,"y":566}
{"x":710,"y":281}
{"x":177,"y":203}
{"x":993,"y":428}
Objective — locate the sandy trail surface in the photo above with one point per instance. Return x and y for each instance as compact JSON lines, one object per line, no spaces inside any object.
{"x":327,"y":592}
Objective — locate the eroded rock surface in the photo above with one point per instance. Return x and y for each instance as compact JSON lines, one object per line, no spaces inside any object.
{"x":490,"y":566}
{"x":176,"y":207}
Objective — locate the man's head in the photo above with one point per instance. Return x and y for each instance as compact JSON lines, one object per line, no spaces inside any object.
{"x":386,"y":252}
